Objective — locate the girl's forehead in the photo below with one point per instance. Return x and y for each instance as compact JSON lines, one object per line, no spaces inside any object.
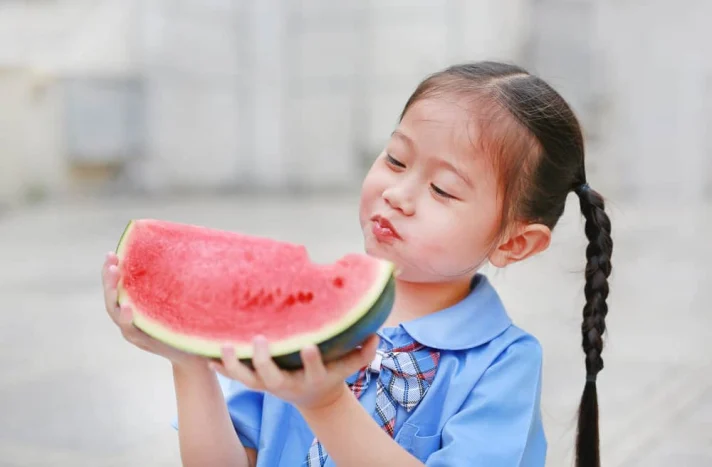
{"x":438,"y":109}
{"x":441,"y":124}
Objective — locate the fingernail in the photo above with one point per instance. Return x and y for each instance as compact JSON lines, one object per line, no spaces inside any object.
{"x":260,"y":342}
{"x":311,"y":351}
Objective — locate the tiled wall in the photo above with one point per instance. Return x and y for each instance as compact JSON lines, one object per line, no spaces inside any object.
{"x":294,"y":93}
{"x":640,"y":74}
{"x":303,"y":93}
{"x":193,"y":72}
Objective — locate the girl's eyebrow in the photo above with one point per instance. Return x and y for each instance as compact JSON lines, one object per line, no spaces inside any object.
{"x":442,"y":162}
{"x":452,"y":168}
{"x":404,"y":137}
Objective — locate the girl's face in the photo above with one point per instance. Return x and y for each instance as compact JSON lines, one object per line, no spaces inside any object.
{"x":429,"y":203}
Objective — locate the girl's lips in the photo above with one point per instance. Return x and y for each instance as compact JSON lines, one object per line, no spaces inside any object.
{"x":383,"y":230}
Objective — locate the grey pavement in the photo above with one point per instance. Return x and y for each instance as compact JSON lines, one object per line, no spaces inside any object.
{"x":72,"y":393}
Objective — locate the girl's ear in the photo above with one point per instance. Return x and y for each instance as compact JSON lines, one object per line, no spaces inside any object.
{"x":525,"y":241}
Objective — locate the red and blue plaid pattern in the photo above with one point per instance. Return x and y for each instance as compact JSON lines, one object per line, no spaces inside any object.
{"x":404,"y":376}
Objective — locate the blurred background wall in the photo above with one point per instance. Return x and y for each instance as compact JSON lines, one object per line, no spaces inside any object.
{"x":158,"y":96}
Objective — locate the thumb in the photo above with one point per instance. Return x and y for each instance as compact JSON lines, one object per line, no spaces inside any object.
{"x":369,"y":348}
{"x":356,"y":359}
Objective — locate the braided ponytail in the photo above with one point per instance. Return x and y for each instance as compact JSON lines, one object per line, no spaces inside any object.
{"x":598,"y":268}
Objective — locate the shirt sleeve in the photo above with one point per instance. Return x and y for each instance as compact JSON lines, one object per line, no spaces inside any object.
{"x":245,"y":409}
{"x":499,"y":424}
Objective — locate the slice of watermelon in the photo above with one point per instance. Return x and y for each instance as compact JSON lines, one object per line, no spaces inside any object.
{"x":197,"y":288}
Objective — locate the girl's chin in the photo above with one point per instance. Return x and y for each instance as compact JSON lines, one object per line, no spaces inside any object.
{"x":375,"y":249}
{"x":402,"y":268}
{"x":398,"y":267}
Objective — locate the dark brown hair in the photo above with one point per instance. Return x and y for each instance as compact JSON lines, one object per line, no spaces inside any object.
{"x":537,"y":147}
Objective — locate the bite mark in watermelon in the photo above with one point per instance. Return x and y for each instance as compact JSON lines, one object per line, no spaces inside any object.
{"x":197,"y":288}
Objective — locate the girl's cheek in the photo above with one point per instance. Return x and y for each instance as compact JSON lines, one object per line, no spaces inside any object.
{"x":374,"y":180}
{"x":435,"y":245}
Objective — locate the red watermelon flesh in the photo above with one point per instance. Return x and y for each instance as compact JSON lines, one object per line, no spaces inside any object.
{"x":197,"y":288}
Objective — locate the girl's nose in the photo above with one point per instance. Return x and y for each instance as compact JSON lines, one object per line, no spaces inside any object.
{"x":401,"y":198}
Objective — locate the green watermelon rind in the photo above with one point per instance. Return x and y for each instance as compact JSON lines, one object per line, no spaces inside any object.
{"x":334,"y":340}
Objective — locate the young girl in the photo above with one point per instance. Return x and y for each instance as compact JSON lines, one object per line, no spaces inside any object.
{"x":478,"y":170}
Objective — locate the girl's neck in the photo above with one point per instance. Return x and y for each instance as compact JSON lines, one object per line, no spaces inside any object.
{"x":416,"y":299}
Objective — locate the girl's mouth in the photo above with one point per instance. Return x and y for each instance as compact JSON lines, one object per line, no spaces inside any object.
{"x":383,"y":230}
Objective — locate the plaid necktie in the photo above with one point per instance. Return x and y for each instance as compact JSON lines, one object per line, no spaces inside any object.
{"x":404,"y":376}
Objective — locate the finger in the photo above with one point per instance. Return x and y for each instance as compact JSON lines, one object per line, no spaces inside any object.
{"x":125,"y":318}
{"x":356,"y":359}
{"x":112,"y":277}
{"x":110,"y":294}
{"x":370,"y":346}
{"x":110,"y":260}
{"x":130,"y":332}
{"x":266,"y":369}
{"x":314,"y":369}
{"x":232,"y":368}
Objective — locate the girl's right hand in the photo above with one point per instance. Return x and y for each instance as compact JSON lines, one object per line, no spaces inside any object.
{"x":122,"y":316}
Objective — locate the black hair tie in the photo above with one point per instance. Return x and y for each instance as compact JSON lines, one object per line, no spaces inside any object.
{"x":581,"y":188}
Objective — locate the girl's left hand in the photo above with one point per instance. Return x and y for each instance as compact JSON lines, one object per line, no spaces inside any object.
{"x":315,"y":386}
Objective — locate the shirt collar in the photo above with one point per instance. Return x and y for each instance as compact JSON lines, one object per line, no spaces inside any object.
{"x":474,"y":321}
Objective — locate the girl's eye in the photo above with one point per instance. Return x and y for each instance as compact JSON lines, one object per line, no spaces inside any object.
{"x":395,"y":162}
{"x":441,"y":192}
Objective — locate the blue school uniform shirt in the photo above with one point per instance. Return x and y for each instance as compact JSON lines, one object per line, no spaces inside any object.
{"x":482,"y":408}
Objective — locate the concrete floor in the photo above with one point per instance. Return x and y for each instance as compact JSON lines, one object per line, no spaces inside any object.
{"x":74,"y":394}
